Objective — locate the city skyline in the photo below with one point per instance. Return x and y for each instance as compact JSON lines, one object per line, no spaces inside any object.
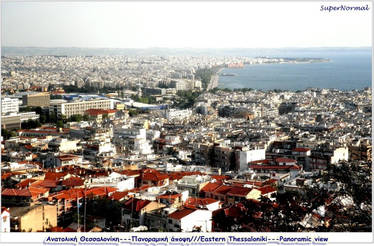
{"x":182,"y":25}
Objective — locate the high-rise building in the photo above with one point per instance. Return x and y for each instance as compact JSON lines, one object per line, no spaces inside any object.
{"x":36,"y":100}
{"x":9,"y":105}
{"x":62,"y":107}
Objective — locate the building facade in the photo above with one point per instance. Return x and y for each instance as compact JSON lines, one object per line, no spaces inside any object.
{"x":36,"y":100}
{"x":9,"y":105}
{"x":61,"y":107}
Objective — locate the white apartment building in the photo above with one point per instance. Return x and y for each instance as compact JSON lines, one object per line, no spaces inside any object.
{"x":117,"y":180}
{"x":9,"y":105}
{"x":62,"y":107}
{"x":250,"y":155}
{"x":5,"y":220}
{"x":188,"y":220}
{"x":178,"y":114}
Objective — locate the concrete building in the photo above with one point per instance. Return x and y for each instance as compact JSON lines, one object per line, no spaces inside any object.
{"x":63,"y":145}
{"x":178,"y":114}
{"x":33,"y":219}
{"x":36,"y":100}
{"x":246,"y":156}
{"x":147,"y":91}
{"x":119,"y":181}
{"x":5,"y":220}
{"x":28,"y":116}
{"x":9,"y":105}
{"x":62,"y":107}
{"x":193,"y":184}
{"x":188,"y":220}
{"x":11,"y":122}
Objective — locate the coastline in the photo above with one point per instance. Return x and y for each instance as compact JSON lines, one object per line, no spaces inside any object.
{"x":301,"y":75}
{"x":214,"y":80}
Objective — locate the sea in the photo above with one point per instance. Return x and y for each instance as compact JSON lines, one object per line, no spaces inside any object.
{"x":347,"y":69}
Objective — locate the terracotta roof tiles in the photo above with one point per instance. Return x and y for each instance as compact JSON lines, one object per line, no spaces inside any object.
{"x":177,"y":215}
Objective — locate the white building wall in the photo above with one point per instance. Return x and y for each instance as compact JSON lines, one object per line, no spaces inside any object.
{"x":127,"y":184}
{"x":250,"y":155}
{"x":213,"y":206}
{"x":9,"y":105}
{"x":199,"y":218}
{"x":340,"y":154}
{"x":67,"y":146}
{"x":5,"y":221}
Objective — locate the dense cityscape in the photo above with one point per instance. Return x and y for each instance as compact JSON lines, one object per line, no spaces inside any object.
{"x":150,"y":143}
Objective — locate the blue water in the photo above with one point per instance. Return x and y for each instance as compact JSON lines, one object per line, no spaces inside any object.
{"x":348,"y":69}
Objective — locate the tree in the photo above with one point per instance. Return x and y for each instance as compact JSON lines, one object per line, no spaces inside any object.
{"x":43,"y":118}
{"x":7,"y":134}
{"x":52,"y":117}
{"x":86,"y":117}
{"x":76,"y":118}
{"x":30,"y":124}
{"x":59,"y":124}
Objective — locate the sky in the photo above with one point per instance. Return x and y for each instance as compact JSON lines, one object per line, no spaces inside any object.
{"x":183,"y":24}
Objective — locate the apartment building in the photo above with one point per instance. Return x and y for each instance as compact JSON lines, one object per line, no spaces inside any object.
{"x":63,"y":107}
{"x":36,"y":100}
{"x":9,"y":105}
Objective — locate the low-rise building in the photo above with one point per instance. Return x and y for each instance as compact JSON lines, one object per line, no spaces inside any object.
{"x":36,"y":218}
{"x":5,"y":220}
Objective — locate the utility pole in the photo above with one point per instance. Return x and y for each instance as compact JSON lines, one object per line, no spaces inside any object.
{"x":78,"y":211}
{"x":85,"y":202}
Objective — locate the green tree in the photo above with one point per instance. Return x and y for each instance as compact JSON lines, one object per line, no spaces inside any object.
{"x":86,"y":117}
{"x":76,"y":118}
{"x":59,"y":124}
{"x":30,"y":124}
{"x":43,"y":118}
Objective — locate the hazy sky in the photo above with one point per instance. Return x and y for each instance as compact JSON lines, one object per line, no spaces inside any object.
{"x":184,"y":24}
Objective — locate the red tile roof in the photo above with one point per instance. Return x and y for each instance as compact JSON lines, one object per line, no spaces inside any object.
{"x":95,"y":112}
{"x":180,"y":175}
{"x":238,"y":191}
{"x":25,"y":183}
{"x":4,"y":209}
{"x":54,"y":176}
{"x":118,"y":195}
{"x":100,"y":191}
{"x":130,"y":172}
{"x":177,"y":215}
{"x":270,"y":181}
{"x":37,"y":191}
{"x":301,"y":149}
{"x":6,"y":176}
{"x":154,"y":175}
{"x":198,"y":202}
{"x":266,"y":189}
{"x":134,"y":204}
{"x":73,"y":181}
{"x":71,"y":194}
{"x":210,"y":187}
{"x":48,"y":183}
{"x":15,"y":192}
{"x":220,"y":177}
{"x":169,"y":196}
{"x":223,"y":189}
{"x":233,"y":211}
